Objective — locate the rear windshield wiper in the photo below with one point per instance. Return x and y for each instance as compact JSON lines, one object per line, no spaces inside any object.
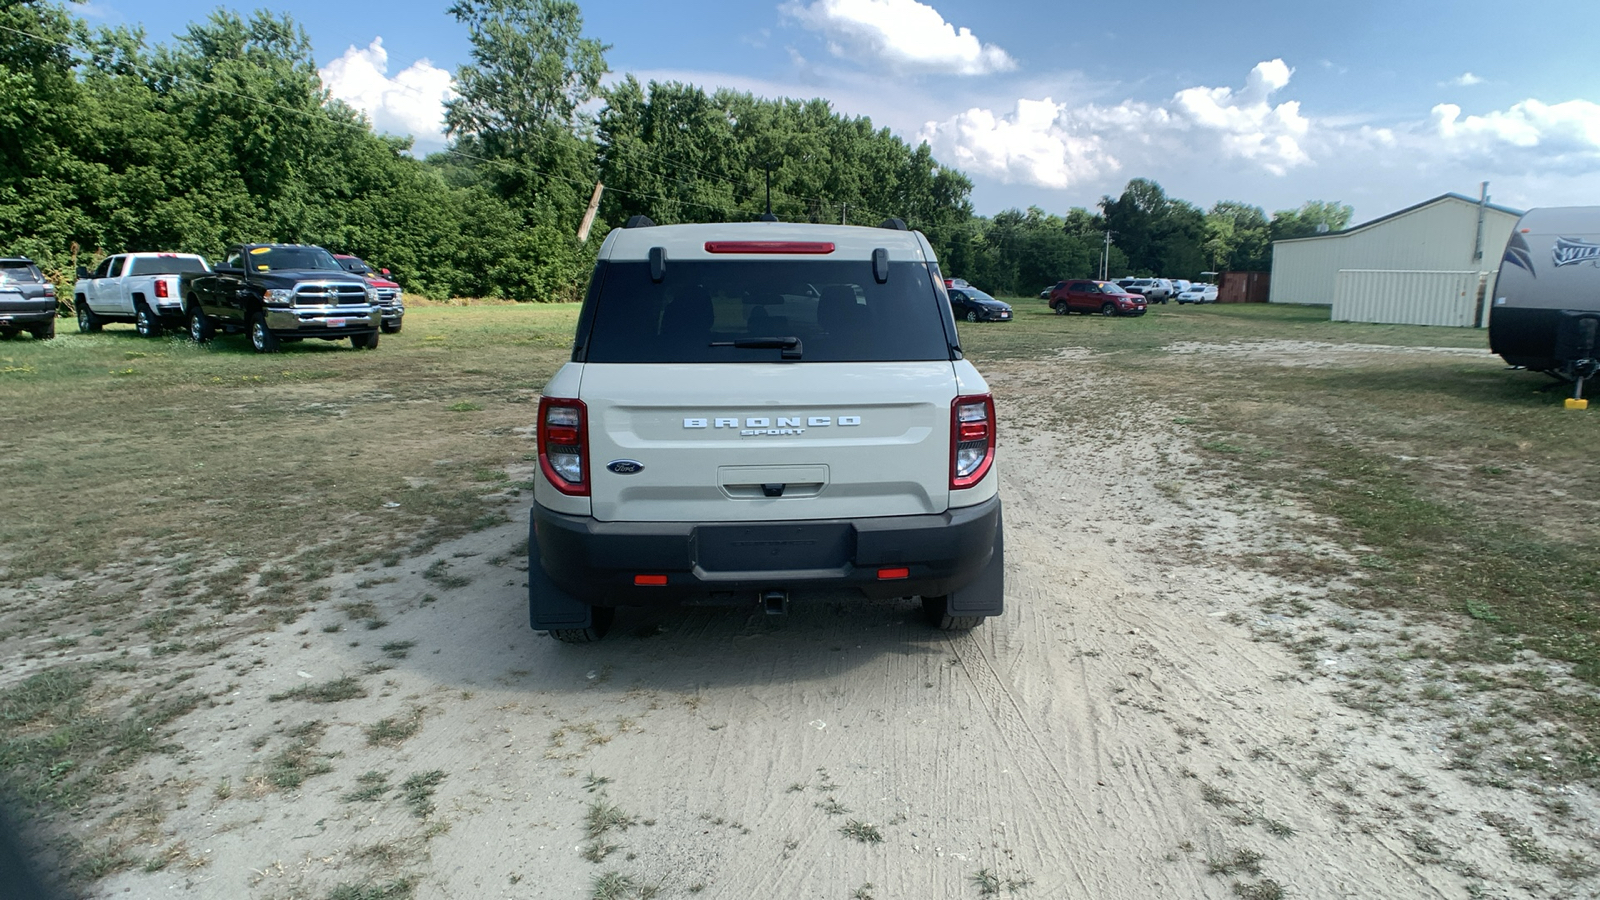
{"x":791,"y":346}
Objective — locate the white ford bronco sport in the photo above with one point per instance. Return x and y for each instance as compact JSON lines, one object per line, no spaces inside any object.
{"x":762,"y":409}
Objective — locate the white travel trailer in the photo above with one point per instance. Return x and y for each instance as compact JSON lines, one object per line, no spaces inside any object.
{"x":1546,"y":313}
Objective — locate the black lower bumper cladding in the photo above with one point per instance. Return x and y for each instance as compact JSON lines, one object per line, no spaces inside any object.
{"x":598,"y":562}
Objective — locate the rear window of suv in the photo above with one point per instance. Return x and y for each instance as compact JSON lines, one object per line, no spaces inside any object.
{"x":701,"y":308}
{"x":19,"y":271}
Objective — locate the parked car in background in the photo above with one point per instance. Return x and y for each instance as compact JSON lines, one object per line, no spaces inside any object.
{"x":1153,"y":290}
{"x":27,"y":300}
{"x":389,"y":301}
{"x":1199,"y":293}
{"x":142,"y":288}
{"x":974,"y":305}
{"x":1103,"y":297}
{"x":1180,"y":285}
{"x":1045,"y":294}
{"x":281,"y":292}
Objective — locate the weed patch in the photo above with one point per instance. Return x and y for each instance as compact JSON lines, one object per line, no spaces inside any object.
{"x":335,"y":691}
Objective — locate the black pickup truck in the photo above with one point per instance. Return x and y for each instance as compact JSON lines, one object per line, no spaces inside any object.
{"x":280,"y":292}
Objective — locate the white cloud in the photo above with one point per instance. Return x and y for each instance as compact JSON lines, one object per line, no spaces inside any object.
{"x":1465,"y":79}
{"x":1573,"y":125}
{"x":410,"y":103}
{"x":1248,"y":126}
{"x":1027,"y":146}
{"x":1053,"y":145}
{"x":904,"y":33}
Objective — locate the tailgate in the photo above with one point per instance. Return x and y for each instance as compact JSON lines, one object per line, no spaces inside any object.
{"x":768,"y":441}
{"x":14,"y":302}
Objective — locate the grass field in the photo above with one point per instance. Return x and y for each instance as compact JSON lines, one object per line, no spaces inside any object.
{"x":1463,"y":490}
{"x":179,"y":498}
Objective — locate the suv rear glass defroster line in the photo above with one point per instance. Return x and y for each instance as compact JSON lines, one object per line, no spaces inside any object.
{"x":704,"y":309}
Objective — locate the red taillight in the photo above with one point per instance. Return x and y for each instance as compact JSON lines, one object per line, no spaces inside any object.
{"x":814,"y":247}
{"x":650,"y":580}
{"x":972,"y":434}
{"x":564,"y":445}
{"x":161,"y":287}
{"x":894,"y":574}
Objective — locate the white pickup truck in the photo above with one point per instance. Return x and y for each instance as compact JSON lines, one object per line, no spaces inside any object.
{"x":141,"y":288}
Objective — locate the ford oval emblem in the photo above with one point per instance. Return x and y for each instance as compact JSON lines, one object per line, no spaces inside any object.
{"x":625,"y":466}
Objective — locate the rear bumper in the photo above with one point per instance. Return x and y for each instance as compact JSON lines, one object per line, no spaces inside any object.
{"x":24,"y":313}
{"x":596,"y":562}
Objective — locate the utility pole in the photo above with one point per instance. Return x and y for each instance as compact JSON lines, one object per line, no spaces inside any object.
{"x":588,"y":215}
{"x":1105,"y":256}
{"x":844,"y":214}
{"x":1483,"y":201}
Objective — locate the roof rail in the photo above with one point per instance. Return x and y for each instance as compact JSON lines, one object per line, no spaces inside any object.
{"x":639,"y":222}
{"x":895,"y":224}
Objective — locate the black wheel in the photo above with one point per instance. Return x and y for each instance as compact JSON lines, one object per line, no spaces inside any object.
{"x":1110,"y":309}
{"x":200,"y":329}
{"x":937,"y":612}
{"x":262,"y":340}
{"x":1060,"y":308}
{"x":44,"y":332}
{"x":88,"y":322}
{"x":392,"y":327}
{"x":367,"y":341}
{"x":972,"y":317}
{"x":603,"y":616}
{"x":145,"y":321}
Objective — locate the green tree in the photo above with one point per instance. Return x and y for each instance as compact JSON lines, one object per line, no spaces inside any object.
{"x":1313,"y":217}
{"x":1236,"y":238}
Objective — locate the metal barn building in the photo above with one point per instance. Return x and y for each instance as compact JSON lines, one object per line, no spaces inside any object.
{"x":1424,"y":265}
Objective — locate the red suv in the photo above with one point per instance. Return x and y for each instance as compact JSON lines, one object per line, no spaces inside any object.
{"x":1101,"y":297}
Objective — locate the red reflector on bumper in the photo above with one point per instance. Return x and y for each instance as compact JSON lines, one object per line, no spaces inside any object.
{"x":650,"y":579}
{"x":894,"y":574}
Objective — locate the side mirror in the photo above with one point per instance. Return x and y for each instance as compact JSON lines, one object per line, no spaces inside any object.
{"x":83,"y":271}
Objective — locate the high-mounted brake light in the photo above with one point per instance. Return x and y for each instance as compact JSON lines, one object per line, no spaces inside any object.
{"x":564,"y":444}
{"x":972,"y":435}
{"x":803,"y":247}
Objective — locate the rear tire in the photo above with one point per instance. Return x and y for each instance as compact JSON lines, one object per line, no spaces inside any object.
{"x":602,"y":617}
{"x":45,"y":332}
{"x":937,"y":612}
{"x":1110,"y":309}
{"x":262,"y":340}
{"x":88,"y":322}
{"x":200,"y":329}
{"x":368,"y":341}
{"x":146,"y":322}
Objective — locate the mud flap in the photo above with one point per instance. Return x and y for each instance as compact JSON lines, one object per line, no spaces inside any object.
{"x":986,"y":594}
{"x":549,"y":607}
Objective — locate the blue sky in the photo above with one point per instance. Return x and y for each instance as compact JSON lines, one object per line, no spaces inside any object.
{"x":1377,"y":104}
